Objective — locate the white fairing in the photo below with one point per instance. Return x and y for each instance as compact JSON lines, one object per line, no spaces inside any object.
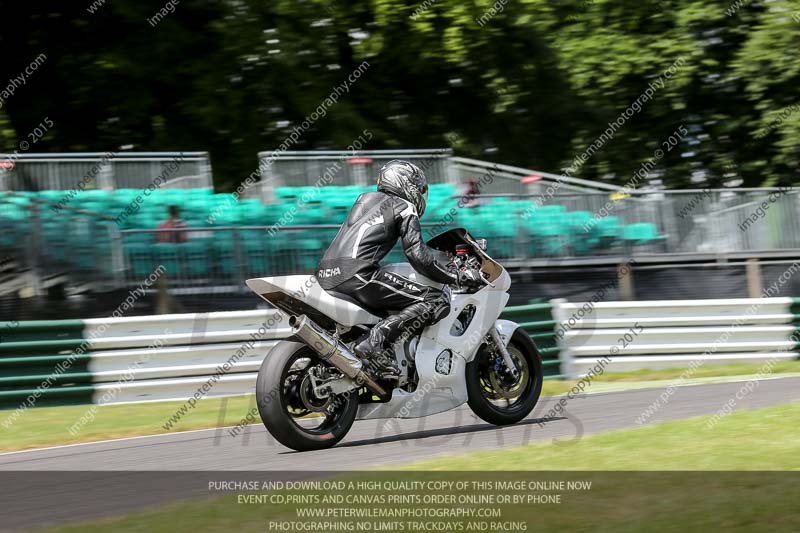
{"x":306,"y":289}
{"x":506,"y":329}
{"x":437,"y":392}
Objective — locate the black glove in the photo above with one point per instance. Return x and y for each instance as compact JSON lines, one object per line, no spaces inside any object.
{"x":453,"y":269}
{"x":470,"y":276}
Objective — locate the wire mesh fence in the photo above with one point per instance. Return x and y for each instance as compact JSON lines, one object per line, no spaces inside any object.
{"x":342,"y":168}
{"x":110,"y":170}
{"x":197,"y":257}
{"x":43,"y":241}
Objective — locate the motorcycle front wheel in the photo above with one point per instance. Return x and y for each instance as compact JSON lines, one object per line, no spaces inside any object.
{"x":289,"y":409}
{"x":493,"y":393}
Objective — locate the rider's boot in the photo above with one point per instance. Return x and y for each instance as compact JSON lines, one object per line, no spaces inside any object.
{"x":379,"y":360}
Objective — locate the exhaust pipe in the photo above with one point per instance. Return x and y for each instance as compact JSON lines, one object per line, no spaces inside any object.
{"x":333,"y":351}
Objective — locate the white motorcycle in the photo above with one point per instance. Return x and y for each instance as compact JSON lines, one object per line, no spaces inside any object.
{"x":311,"y":387}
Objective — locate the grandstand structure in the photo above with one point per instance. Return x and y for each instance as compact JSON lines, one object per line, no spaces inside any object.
{"x":92,"y":219}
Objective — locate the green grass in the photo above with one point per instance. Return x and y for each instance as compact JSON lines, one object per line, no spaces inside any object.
{"x":47,"y":426}
{"x":708,"y":371}
{"x":761,"y":439}
{"x":764,"y":439}
{"x":739,"y":369}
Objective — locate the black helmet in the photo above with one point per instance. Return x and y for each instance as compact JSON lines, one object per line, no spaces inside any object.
{"x":406,"y":180}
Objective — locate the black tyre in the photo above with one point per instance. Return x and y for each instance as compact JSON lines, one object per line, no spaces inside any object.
{"x":496,"y":396}
{"x":290,"y":411}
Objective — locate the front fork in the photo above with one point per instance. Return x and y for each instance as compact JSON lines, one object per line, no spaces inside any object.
{"x":501,"y":347}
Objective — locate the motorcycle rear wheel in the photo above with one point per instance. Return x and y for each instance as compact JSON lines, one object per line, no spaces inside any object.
{"x":287,"y":407}
{"x":493,"y":394}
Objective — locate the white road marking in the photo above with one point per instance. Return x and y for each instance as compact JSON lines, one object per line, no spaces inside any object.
{"x":120,"y":439}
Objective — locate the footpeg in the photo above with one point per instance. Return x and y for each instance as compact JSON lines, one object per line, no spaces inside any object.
{"x":381,"y":367}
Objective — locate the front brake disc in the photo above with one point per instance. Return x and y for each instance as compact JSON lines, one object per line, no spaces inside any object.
{"x":505,"y":387}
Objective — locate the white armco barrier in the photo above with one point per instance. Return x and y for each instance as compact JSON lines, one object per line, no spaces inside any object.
{"x":177,"y":357}
{"x":170,"y":357}
{"x":621,"y":336}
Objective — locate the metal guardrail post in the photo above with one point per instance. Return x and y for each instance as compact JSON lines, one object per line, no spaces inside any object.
{"x":565,"y":354}
{"x":753,"y":273}
{"x":208,"y":177}
{"x":5,"y":177}
{"x":237,"y":254}
{"x":625,"y":276}
{"x":794,"y":308}
{"x":106,"y":176}
{"x":267,"y":183}
{"x":117,"y":253}
{"x":35,"y":252}
{"x":451,"y":172}
{"x":97,"y":267}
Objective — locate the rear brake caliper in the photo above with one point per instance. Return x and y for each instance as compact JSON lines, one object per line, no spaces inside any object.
{"x":314,"y":393}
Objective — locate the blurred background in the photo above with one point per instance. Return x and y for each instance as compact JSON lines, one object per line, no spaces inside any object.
{"x":227,"y":139}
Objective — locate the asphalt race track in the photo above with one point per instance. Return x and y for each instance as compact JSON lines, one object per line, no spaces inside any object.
{"x":378,"y":442}
{"x":369,"y":444}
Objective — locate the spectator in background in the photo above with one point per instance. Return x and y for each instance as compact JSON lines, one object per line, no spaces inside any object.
{"x":472,"y":191}
{"x":173,"y":222}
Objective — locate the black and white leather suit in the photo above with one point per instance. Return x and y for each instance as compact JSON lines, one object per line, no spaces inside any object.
{"x":350,"y":267}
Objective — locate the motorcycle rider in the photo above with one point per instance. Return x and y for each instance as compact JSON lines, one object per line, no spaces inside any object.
{"x":350,"y":266}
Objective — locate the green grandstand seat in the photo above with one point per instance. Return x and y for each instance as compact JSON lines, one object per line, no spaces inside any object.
{"x":547,"y":231}
{"x":194,"y":254}
{"x":82,"y":253}
{"x":174,"y":196}
{"x":102,"y":264}
{"x":641,"y":233}
{"x":224,"y":249}
{"x":552,"y":210}
{"x":200,"y":192}
{"x":310,"y":251}
{"x":251,"y":212}
{"x":286,"y":192}
{"x":140,"y":259}
{"x":256,"y":254}
{"x":195,"y":220}
{"x":94,"y":195}
{"x":95,"y":207}
{"x":311,"y":215}
{"x":8,"y":232}
{"x":337,"y":215}
{"x":169,"y":255}
{"x":139,"y":238}
{"x":294,"y":251}
{"x":272,"y":214}
{"x":608,"y":229}
{"x":581,"y":240}
{"x":340,"y":201}
{"x":577,"y":219}
{"x":52,"y":196}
